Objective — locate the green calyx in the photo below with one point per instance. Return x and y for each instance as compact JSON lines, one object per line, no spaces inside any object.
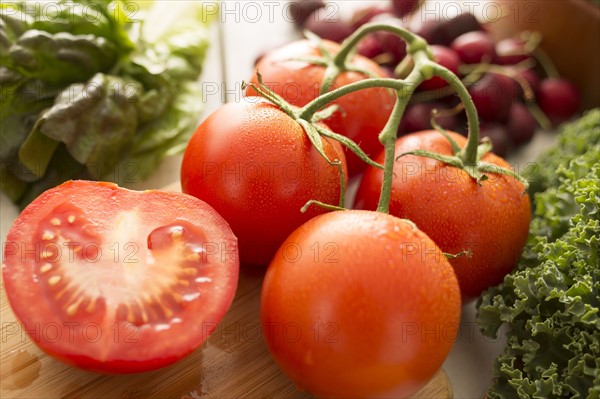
{"x":476,"y":170}
{"x":315,"y":132}
{"x":311,"y":114}
{"x":334,"y":64}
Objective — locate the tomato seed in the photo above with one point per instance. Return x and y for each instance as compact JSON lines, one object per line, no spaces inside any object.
{"x":54,"y":280}
{"x":61,"y":293}
{"x":47,"y":236}
{"x":91,"y":306}
{"x":194,"y":257}
{"x":168,"y":312}
{"x":144,"y":317}
{"x":55,"y":222}
{"x":72,"y":309}
{"x":176,"y":234}
{"x":189,"y":271}
{"x":177,"y":298}
{"x":45,"y":268}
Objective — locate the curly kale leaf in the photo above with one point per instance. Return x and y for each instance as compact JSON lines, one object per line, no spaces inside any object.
{"x":574,"y":139}
{"x":551,"y":301}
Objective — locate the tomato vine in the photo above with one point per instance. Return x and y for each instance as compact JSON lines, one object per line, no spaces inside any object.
{"x":424,"y":67}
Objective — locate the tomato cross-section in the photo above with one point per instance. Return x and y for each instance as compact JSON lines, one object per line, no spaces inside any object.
{"x":121,"y":281}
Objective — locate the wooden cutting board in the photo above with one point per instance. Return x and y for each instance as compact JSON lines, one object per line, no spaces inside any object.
{"x":233,"y":363}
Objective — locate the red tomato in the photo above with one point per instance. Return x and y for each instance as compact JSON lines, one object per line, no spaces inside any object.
{"x":359,"y":304}
{"x":256,"y":166}
{"x":119,"y":281}
{"x":362,"y":114}
{"x":491,"y":220}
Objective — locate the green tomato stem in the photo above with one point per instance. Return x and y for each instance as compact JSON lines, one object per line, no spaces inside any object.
{"x":350,"y":43}
{"x":388,"y":139}
{"x":424,"y":68}
{"x":469,"y":153}
{"x":388,"y":135}
{"x":318,"y":103}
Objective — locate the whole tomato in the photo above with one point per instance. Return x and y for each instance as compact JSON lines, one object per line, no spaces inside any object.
{"x":359,"y":304}
{"x":256,"y":166}
{"x":489,"y":220}
{"x":361,"y":115}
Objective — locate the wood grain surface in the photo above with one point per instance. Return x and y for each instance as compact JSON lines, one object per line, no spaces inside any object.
{"x":233,"y":363}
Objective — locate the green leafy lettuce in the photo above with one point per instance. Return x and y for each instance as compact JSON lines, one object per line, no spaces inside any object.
{"x":86,"y":88}
{"x":551,"y":301}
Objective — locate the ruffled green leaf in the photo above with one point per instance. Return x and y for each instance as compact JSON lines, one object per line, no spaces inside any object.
{"x":552,"y":299}
{"x":97,"y":121}
{"x":61,"y":57}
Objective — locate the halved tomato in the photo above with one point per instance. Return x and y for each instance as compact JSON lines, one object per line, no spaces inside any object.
{"x":119,"y":281}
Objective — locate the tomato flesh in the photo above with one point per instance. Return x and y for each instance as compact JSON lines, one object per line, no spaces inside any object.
{"x":129,"y":281}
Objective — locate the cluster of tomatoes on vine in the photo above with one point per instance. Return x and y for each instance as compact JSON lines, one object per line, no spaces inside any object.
{"x":514,"y":84}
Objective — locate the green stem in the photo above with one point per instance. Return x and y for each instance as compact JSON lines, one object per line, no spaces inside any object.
{"x":389,"y":143}
{"x":270,"y":95}
{"x":424,"y":68}
{"x":546,"y":63}
{"x":315,"y":105}
{"x":350,"y":43}
{"x":404,"y":67}
{"x":387,"y":137}
{"x":337,"y":64}
{"x":322,"y":205}
{"x":533,"y":42}
{"x":469,"y":153}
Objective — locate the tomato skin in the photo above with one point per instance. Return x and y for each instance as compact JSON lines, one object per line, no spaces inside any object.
{"x":346,"y":303}
{"x":448,"y":205}
{"x":99,"y":339}
{"x":257,"y":167}
{"x":362,"y":114}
